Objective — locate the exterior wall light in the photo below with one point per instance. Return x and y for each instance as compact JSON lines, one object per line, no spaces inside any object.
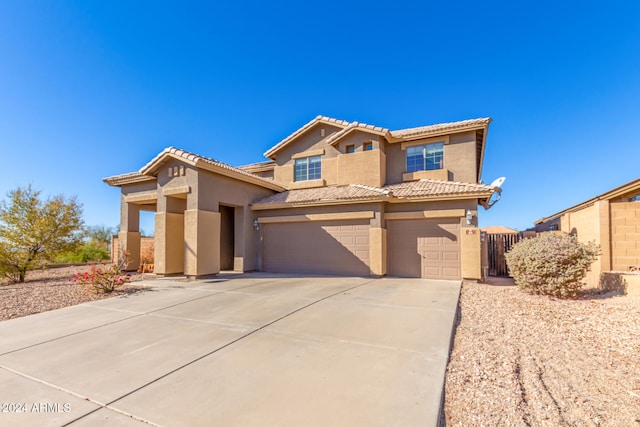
{"x":469,"y":217}
{"x":256,"y":225}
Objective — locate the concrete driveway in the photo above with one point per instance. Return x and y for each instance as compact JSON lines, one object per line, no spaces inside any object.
{"x":243,"y":350}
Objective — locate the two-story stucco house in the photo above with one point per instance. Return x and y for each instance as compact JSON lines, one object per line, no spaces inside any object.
{"x":335,"y":197}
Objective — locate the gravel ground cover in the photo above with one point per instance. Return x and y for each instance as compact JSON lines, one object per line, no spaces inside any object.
{"x":524,"y":360}
{"x":50,"y":289}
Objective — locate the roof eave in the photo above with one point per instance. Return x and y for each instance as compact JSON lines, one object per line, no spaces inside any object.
{"x":443,"y":197}
{"x":437,"y":133}
{"x":125,"y":179}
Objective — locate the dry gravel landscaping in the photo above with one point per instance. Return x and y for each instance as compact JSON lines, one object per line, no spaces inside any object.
{"x":50,"y":289}
{"x":524,"y":360}
{"x":517,"y":359}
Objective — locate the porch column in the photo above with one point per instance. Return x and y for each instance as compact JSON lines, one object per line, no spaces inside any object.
{"x":169,"y":243}
{"x":201,"y":242}
{"x":129,"y":235}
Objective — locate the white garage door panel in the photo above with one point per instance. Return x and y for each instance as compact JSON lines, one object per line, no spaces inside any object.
{"x":331,"y":247}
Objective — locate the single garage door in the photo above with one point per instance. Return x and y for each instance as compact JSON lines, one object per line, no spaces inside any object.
{"x":325,"y":247}
{"x":428,"y":248}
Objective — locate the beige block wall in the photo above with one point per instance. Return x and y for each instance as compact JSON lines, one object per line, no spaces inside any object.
{"x":587,"y":224}
{"x":625,"y":235}
{"x":201,"y":242}
{"x":378,"y":251}
{"x":470,"y":258}
{"x":146,"y":243}
{"x":169,"y":245}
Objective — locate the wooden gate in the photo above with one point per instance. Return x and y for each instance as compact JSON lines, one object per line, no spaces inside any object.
{"x":498,"y":245}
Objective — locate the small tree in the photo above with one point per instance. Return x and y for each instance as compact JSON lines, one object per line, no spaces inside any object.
{"x":33,"y":231}
{"x":551,"y":264}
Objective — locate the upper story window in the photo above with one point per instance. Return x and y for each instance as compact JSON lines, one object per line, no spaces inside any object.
{"x":425,"y":157}
{"x":308,"y":168}
{"x":635,"y":198}
{"x":367,"y":146}
{"x":350,"y":149}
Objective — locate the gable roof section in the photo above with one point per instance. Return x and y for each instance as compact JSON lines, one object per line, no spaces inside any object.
{"x":319,"y":119}
{"x":356,"y":126}
{"x":357,"y":193}
{"x":629,"y":187}
{"x":200,"y":162}
{"x":391,"y":136}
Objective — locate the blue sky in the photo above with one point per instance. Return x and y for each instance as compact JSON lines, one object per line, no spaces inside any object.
{"x":94,"y":89}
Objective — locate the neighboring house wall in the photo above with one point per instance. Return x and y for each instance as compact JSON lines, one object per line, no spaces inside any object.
{"x":625,"y":236}
{"x":612,"y":220}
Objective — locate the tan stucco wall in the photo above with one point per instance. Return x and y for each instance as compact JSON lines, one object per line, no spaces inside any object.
{"x":470,"y":258}
{"x":378,"y":251}
{"x":311,"y":141}
{"x":459,"y":158}
{"x":201,"y":242}
{"x":362,"y":167}
{"x":625,"y":235}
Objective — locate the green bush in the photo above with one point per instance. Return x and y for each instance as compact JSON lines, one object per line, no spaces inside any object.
{"x":90,"y":251}
{"x":551,"y":264}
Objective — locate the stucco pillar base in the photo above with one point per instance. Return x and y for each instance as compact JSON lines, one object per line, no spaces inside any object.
{"x":378,"y":251}
{"x":201,"y":242}
{"x":169,"y":243}
{"x":129,"y":241}
{"x":470,"y":253}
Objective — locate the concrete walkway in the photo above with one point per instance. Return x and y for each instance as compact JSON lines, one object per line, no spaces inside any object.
{"x":244,"y":350}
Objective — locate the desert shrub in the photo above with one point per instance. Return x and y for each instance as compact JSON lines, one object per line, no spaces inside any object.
{"x":551,"y":264}
{"x":103,"y":279}
{"x":87,"y":252}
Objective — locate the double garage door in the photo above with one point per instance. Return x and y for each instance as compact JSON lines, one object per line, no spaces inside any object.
{"x":331,"y":247}
{"x":428,"y":248}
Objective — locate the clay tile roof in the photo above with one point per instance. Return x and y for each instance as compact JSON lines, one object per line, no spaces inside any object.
{"x":259,"y":165}
{"x":356,"y":126}
{"x":128,"y":178}
{"x":440,"y":128}
{"x":310,"y":195}
{"x":319,"y":119}
{"x":430,"y":187}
